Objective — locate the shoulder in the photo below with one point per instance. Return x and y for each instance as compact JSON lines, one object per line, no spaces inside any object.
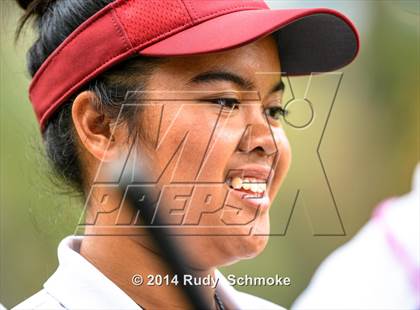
{"x":248,"y":301}
{"x":40,"y":300}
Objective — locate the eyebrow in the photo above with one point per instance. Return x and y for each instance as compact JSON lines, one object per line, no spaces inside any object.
{"x":214,"y":76}
{"x":278,"y":87}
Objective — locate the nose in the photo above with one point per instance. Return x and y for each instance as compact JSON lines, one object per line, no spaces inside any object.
{"x":258,"y":138}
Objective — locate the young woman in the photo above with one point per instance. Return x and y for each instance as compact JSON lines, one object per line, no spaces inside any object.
{"x":189,"y":91}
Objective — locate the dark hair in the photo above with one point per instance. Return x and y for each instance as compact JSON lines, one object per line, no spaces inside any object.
{"x":54,"y":20}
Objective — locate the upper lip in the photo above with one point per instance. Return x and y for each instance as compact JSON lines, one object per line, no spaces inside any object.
{"x":261,"y":172}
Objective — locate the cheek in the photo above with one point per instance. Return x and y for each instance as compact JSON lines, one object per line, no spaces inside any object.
{"x":185,"y":146}
{"x":226,"y":134}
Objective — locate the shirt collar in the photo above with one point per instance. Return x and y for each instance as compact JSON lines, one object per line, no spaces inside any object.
{"x":77,"y":284}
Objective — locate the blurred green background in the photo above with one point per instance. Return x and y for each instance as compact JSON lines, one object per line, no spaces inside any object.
{"x":369,"y":150}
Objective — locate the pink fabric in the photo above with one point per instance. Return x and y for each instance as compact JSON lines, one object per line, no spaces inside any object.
{"x":397,"y":248}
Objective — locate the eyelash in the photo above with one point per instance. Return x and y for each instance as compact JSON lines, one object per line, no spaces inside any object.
{"x":233,"y":103}
{"x":270,"y":111}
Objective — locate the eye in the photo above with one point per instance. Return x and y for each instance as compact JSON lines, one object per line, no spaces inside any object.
{"x":275,"y":112}
{"x":230,"y":103}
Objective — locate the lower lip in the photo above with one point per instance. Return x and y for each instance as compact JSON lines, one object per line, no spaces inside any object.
{"x":262,"y":202}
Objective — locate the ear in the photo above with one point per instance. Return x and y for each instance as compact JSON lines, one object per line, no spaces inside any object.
{"x":94,"y":128}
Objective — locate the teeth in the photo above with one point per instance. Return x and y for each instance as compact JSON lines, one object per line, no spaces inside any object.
{"x":236,"y":183}
{"x":255,"y":188}
{"x":251,"y":184}
{"x":246,"y":185}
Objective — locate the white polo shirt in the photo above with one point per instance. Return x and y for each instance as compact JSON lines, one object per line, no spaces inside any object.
{"x":77,"y":284}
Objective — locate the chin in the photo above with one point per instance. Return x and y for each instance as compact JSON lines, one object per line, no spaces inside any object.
{"x":232,"y":246}
{"x":252,"y":246}
{"x":239,"y":247}
{"x":243,"y":248}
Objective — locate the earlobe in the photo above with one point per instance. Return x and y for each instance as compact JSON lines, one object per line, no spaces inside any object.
{"x":93,"y":127}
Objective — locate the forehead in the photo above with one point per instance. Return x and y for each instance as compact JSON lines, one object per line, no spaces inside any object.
{"x":247,"y":61}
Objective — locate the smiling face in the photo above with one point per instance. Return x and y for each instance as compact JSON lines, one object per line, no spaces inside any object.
{"x":211,"y":127}
{"x":210,"y":137}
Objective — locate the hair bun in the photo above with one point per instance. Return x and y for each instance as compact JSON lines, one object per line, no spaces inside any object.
{"x":34,"y":9}
{"x":24,"y":4}
{"x":34,"y":6}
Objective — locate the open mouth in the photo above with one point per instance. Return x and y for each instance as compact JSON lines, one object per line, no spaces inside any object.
{"x":249,"y":186}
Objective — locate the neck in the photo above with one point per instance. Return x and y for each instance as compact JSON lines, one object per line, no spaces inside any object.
{"x":121,"y":257}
